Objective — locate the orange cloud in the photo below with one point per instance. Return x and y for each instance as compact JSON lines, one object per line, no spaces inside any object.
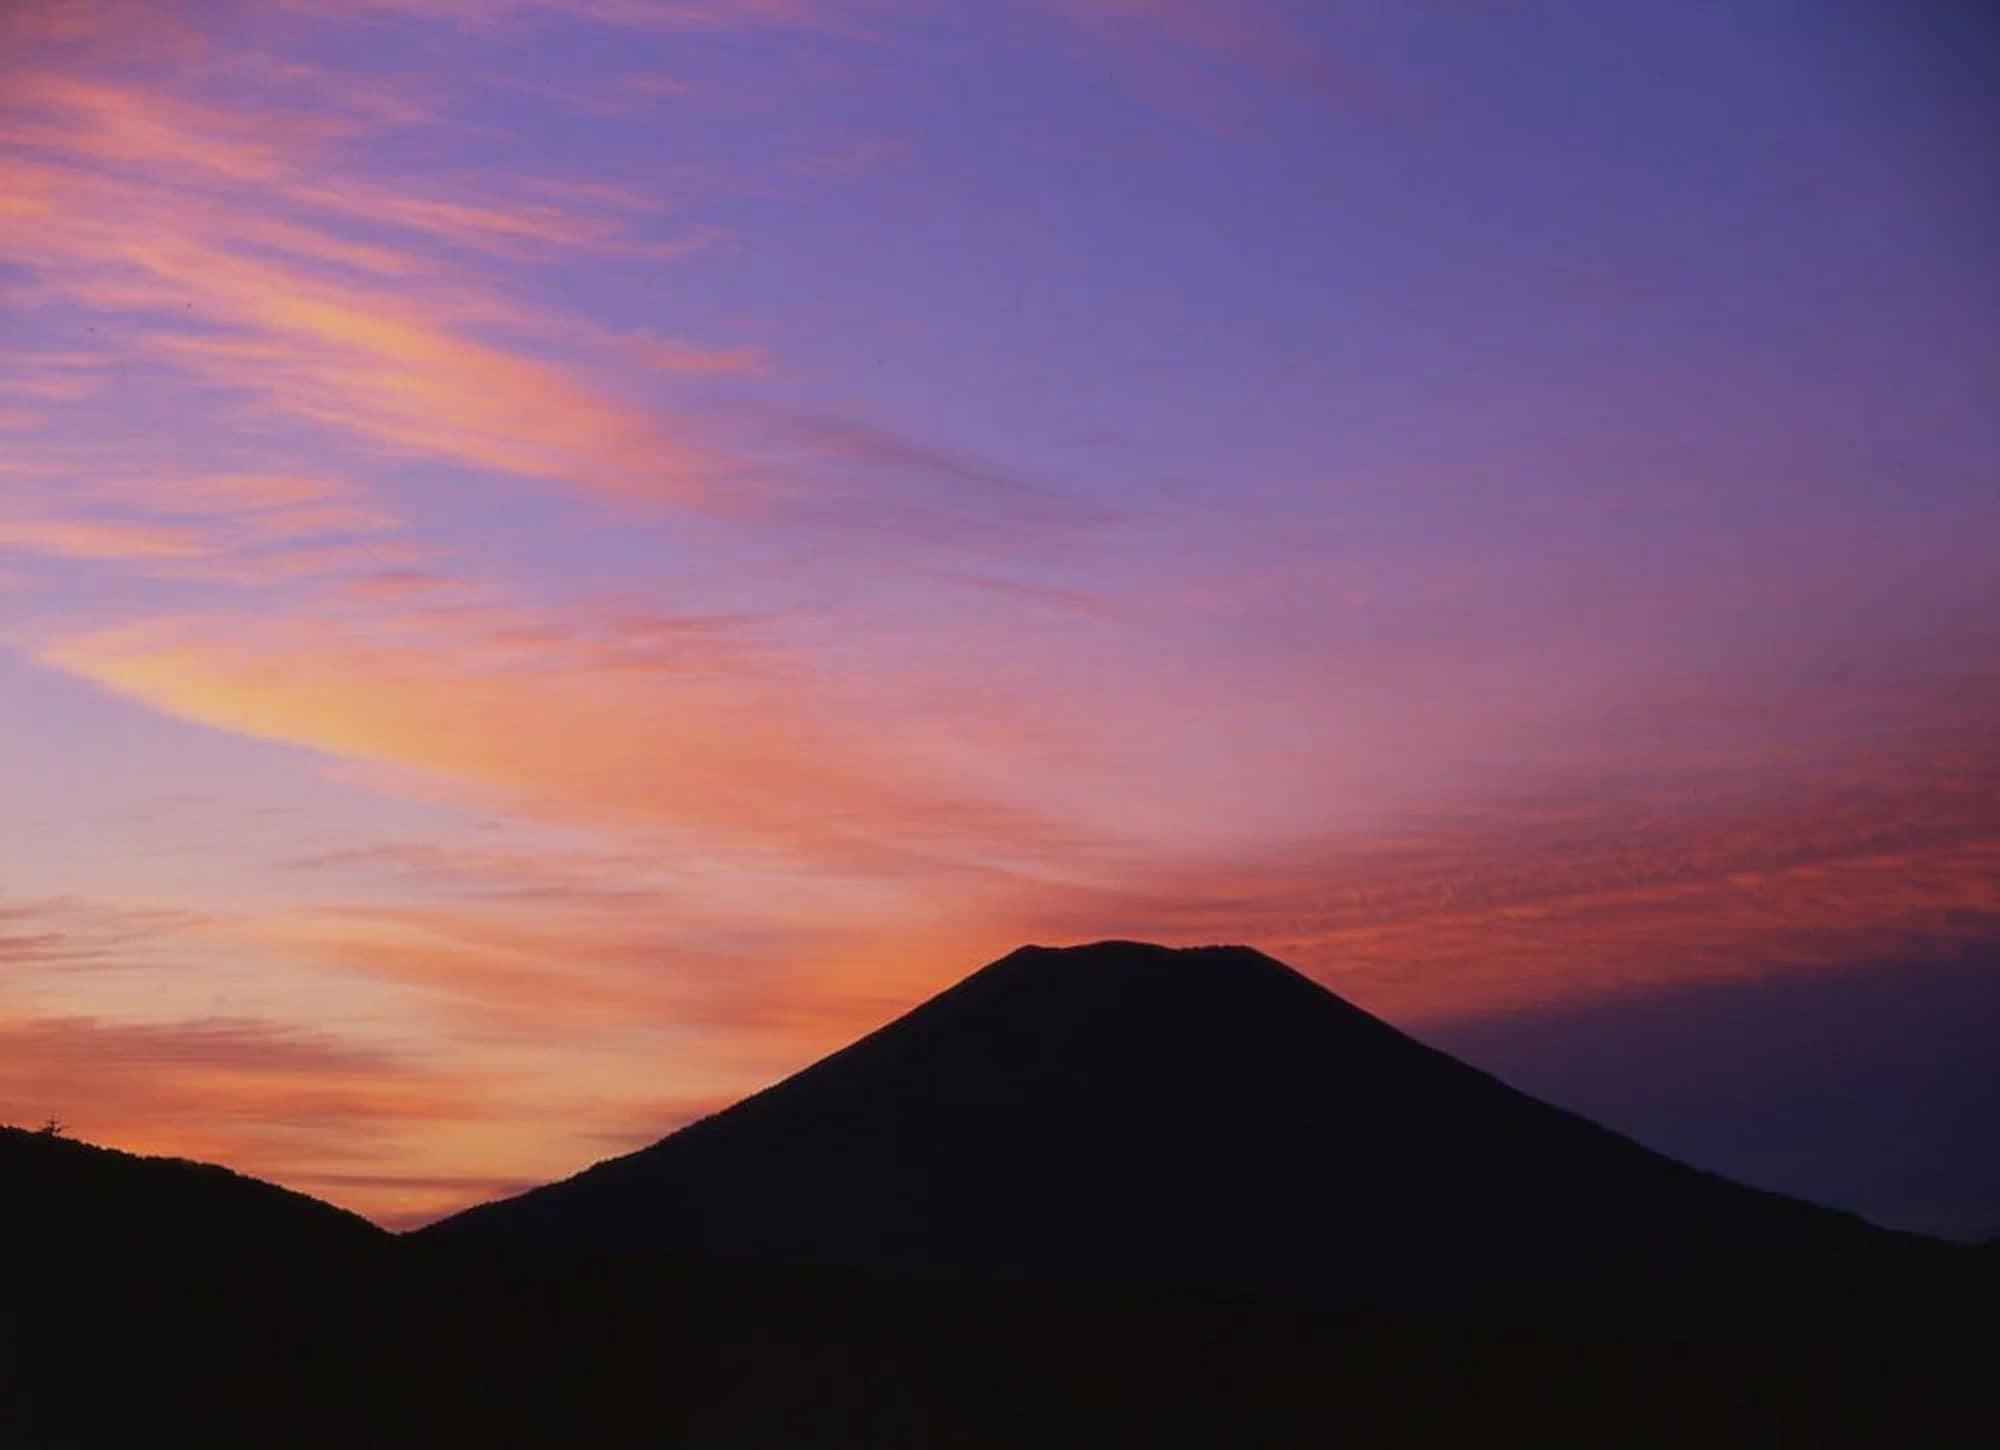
{"x":539,"y":971}
{"x":266,"y":252}
{"x":396,"y":586}
{"x":281,"y":565}
{"x":266,"y":1098}
{"x":222,"y":233}
{"x":158,"y":1082}
{"x":73,"y":116}
{"x":229,"y":493}
{"x":556,"y":980}
{"x":688,"y":727}
{"x":1600,"y":889}
{"x":62,"y":934}
{"x":390,"y":371}
{"x":403,"y":1201}
{"x":241,"y":531}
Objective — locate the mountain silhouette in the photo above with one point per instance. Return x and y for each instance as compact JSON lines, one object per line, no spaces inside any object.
{"x":132,"y":1205}
{"x":1033,"y":1179}
{"x":1210,"y":1119}
{"x":138,"y":1293}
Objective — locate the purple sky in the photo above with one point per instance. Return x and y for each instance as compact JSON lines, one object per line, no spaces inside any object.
{"x":560,"y":557}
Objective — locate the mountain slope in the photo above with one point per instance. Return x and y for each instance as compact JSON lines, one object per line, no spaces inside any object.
{"x":148,"y":1301}
{"x":1208,"y":1118}
{"x":127,"y":1203}
{"x":131,"y":1283}
{"x":283,"y":1326}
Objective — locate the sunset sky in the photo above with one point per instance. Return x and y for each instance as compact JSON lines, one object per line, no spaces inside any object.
{"x":560,"y":558}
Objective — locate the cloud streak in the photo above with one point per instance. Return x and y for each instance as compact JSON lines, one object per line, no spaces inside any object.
{"x":1612,"y":888}
{"x":268,"y":1097}
{"x":246,"y":246}
{"x":645,"y":536}
{"x":688,"y":727}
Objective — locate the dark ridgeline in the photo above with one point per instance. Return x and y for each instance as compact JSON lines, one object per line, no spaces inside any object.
{"x":1115,"y":1196}
{"x":1209,"y":1118}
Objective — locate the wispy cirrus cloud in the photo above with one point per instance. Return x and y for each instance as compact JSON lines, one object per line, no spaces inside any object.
{"x":390,"y":368}
{"x":243,"y":531}
{"x":543,"y":971}
{"x":251,"y":248}
{"x":690,"y":723}
{"x":1619,"y":887}
{"x":261,"y":495}
{"x":271,"y":1098}
{"x":665,"y":15}
{"x":60,"y":936}
{"x":237,"y":231}
{"x":530,"y":467}
{"x":249,"y":243}
{"x":84,"y":538}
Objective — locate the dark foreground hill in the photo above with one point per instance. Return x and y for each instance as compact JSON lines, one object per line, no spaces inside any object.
{"x":1116,"y":1197}
{"x":1124,"y":1114}
{"x":152,"y":1303}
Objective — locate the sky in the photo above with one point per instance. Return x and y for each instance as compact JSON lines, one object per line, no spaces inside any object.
{"x":561,"y":558}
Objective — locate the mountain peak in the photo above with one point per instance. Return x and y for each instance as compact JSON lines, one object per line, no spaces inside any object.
{"x":1200,"y":1117}
{"x":1128,"y":990}
{"x":1118,"y":966}
{"x":1136,"y":964}
{"x":1126,"y":947}
{"x":1118,"y":954}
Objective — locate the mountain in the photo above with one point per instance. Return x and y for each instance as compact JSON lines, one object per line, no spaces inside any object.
{"x":1209,"y":1119}
{"x":84,"y":1224}
{"x":1109,"y":1197}
{"x":127,"y":1204}
{"x":148,"y":1301}
{"x":119,"y":1274}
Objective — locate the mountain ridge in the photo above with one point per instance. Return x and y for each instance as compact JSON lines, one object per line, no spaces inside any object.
{"x":156,"y":1301}
{"x":118,"y":1336}
{"x":1209,"y":1118}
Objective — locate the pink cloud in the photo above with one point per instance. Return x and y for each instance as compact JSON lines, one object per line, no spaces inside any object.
{"x":85,"y":538}
{"x":247,"y":274}
{"x":1591,"y":888}
{"x":267,"y":1098}
{"x":229,"y":493}
{"x":692,"y":728}
{"x":397,"y":586}
{"x":240,"y":530}
{"x":673,"y":356}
